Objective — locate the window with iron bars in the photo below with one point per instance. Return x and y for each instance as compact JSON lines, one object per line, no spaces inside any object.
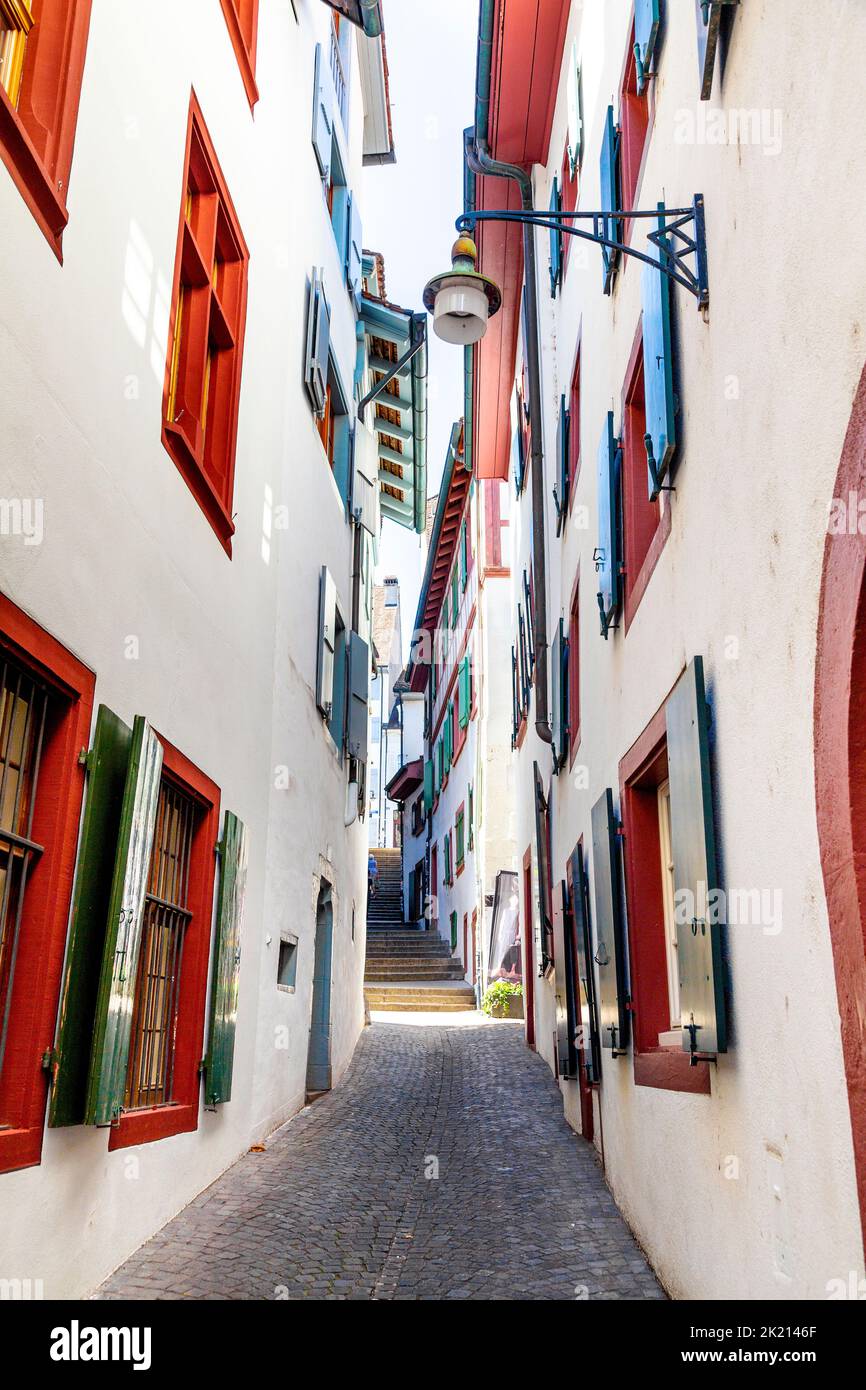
{"x":150,"y":1077}
{"x":23,"y":710}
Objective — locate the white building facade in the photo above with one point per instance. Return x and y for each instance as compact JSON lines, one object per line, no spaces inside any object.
{"x":693,"y":945}
{"x":186,"y":570}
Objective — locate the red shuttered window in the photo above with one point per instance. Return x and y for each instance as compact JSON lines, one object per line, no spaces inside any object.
{"x":209,"y":301}
{"x":242,"y":18}
{"x":42,"y":49}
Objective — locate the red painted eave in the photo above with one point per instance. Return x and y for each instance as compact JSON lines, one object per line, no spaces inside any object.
{"x":406,"y":781}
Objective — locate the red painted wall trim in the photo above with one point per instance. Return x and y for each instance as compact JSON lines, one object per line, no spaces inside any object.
{"x":840,"y":774}
{"x":636,"y":585}
{"x":242,"y":18}
{"x":181,"y":1117}
{"x":42,"y":941}
{"x":37,"y":139}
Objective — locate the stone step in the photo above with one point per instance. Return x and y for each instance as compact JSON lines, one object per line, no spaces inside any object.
{"x":422,"y":1000}
{"x":399,"y":952}
{"x":416,"y":970}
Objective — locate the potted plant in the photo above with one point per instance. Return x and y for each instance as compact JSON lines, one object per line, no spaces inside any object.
{"x":503,"y":999}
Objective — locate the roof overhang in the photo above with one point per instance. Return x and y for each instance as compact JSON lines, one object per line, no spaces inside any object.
{"x":378,"y":146}
{"x":366,"y":14}
{"x":405,"y":782}
{"x":453,"y":492}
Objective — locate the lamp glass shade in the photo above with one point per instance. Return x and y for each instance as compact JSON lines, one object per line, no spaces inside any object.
{"x":461,"y":311}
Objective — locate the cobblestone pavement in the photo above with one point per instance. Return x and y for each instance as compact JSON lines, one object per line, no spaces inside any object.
{"x":339,"y":1204}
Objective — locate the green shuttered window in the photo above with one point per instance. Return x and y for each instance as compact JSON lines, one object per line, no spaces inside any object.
{"x":233,"y":861}
{"x":610,"y":952}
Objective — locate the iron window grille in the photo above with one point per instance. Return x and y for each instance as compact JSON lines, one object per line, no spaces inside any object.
{"x":150,"y":1076}
{"x":23,"y":710}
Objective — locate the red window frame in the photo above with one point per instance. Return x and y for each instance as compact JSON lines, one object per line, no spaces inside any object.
{"x":574,"y":425}
{"x":636,"y":115}
{"x":568,"y":191}
{"x":42,"y":939}
{"x":206,"y":338}
{"x":641,"y":772}
{"x":646,"y":525}
{"x":574,"y":670}
{"x":180,"y":1116}
{"x":37,"y":136}
{"x":242,"y":18}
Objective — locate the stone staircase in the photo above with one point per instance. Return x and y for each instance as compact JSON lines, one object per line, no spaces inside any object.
{"x":408,"y":970}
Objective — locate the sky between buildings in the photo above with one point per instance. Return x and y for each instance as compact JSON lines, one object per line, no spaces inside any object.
{"x":409,"y":213}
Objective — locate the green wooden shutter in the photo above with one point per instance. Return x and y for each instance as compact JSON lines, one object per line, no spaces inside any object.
{"x":440,"y":764}
{"x":607,"y":556}
{"x":448,"y":736}
{"x":226,"y":967}
{"x":575,"y":113}
{"x":610,"y":955}
{"x":470,"y":816}
{"x":113,"y":1020}
{"x":555,"y":240}
{"x":453,"y":931}
{"x":542,"y":845}
{"x":590,"y":1040}
{"x":566,"y":1054}
{"x":446,"y":844}
{"x":610,"y":196}
{"x":559,"y":696}
{"x":465,"y":687}
{"x":646,"y":29}
{"x":323,"y":111}
{"x":107,"y":764}
{"x":428,"y":785}
{"x":561,"y":493}
{"x":661,"y":435}
{"x":327,"y":642}
{"x":460,"y":837}
{"x":359,"y":697}
{"x":693,"y":846}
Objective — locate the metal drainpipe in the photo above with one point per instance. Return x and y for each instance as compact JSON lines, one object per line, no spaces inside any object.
{"x":481,"y":162}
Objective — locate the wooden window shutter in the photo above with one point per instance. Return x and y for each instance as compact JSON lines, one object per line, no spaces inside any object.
{"x":219,"y":1061}
{"x":327,"y":642}
{"x":113,"y":1019}
{"x":428,"y":785}
{"x":555,"y":241}
{"x":607,"y":557}
{"x":647,"y":17}
{"x":323,"y":111}
{"x":610,"y":196}
{"x":107,"y":765}
{"x":563,"y":486}
{"x":455,"y":597}
{"x":559,"y":694}
{"x":465,"y":685}
{"x":318,"y":344}
{"x":447,"y":737}
{"x":359,"y":695}
{"x":354,"y":245}
{"x":693,"y":846}
{"x":575,"y":113}
{"x":470,"y":815}
{"x":542,"y":844}
{"x":515,"y":698}
{"x":708,"y":15}
{"x":584,"y":974}
{"x":453,"y":931}
{"x":658,"y":367}
{"x":566,"y":1054}
{"x":610,"y":952}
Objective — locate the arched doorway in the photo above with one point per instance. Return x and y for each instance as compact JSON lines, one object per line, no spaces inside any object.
{"x":319,"y":1052}
{"x":840,"y":766}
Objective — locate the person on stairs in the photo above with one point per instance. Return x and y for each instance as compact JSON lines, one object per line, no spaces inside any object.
{"x":372,"y":875}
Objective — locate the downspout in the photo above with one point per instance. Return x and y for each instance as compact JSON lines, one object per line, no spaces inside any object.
{"x":469,"y":349}
{"x":371,"y":16}
{"x":418,"y":331}
{"x":480,"y":161}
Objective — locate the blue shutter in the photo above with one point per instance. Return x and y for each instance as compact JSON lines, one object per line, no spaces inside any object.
{"x":318,"y":344}
{"x":610,"y":198}
{"x":555,"y":241}
{"x":359,"y":696}
{"x":610,"y":955}
{"x":561,"y":493}
{"x":646,"y":30}
{"x":693,"y":849}
{"x":323,"y":112}
{"x":354,"y":243}
{"x":583,"y":971}
{"x":327,"y":642}
{"x":661,"y":435}
{"x":607,"y":555}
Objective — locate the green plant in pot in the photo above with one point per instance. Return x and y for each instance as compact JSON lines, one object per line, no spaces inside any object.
{"x":503,"y":999}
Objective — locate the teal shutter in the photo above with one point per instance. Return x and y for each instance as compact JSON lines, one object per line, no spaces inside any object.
{"x":455,"y":597}
{"x":607,"y":556}
{"x":661,"y":435}
{"x":107,"y":764}
{"x":563,"y":976}
{"x":589,"y":1038}
{"x":610,"y":196}
{"x":113,"y":1020}
{"x":323,"y":111}
{"x":428,"y":785}
{"x":354,"y":244}
{"x":465,"y":687}
{"x":563,"y":487}
{"x":542,"y":845}
{"x":575,"y":113}
{"x":318,"y":344}
{"x":555,"y":240}
{"x":693,"y":846}
{"x":610,"y":955}
{"x":448,"y":737}
{"x":646,"y":29}
{"x":226,"y":967}
{"x":559,"y":694}
{"x":439,"y":765}
{"x":359,"y":698}
{"x":453,"y":931}
{"x":327,"y":642}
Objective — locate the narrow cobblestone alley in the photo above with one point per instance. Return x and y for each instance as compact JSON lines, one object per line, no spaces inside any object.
{"x":339,"y":1206}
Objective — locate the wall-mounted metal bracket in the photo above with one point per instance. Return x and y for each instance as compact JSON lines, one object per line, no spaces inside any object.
{"x":395,"y":370}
